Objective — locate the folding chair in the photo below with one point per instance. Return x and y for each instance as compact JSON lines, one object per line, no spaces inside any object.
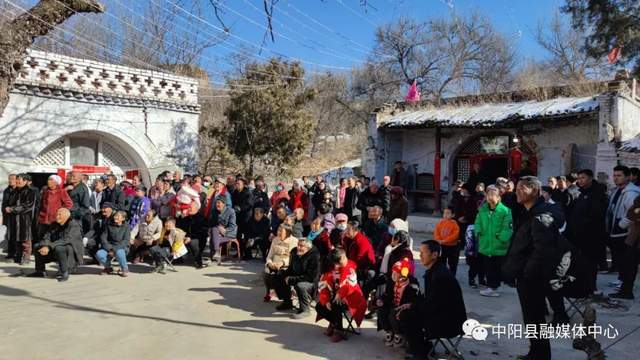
{"x":168,"y":262}
{"x":450,"y":347}
{"x":576,"y":306}
{"x":350,"y":328}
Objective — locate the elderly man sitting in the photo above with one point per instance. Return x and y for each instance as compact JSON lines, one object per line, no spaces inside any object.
{"x":61,"y":243}
{"x":302,"y":274}
{"x":145,"y":234}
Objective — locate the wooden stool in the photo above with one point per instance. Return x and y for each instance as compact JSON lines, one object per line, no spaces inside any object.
{"x":226,"y":249}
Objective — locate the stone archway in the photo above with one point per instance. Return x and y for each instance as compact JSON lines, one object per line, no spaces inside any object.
{"x":75,"y":149}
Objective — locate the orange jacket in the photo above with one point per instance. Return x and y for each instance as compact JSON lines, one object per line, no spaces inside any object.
{"x":447,"y":232}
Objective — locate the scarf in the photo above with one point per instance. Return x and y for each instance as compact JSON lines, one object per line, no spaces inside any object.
{"x":384,"y":267}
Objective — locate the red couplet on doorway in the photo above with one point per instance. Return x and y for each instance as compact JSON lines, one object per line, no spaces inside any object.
{"x":90,"y":169}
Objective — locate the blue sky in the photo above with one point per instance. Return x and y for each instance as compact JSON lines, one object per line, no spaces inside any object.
{"x":334,"y":34}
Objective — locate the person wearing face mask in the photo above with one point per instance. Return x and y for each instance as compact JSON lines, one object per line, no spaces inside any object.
{"x":279,"y":194}
{"x":337,"y":234}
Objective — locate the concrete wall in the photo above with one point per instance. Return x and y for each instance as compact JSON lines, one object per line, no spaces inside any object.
{"x":418,"y":146}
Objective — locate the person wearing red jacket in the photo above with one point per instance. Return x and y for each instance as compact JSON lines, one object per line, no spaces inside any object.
{"x":299,"y":199}
{"x":54,"y":197}
{"x":359,"y":250}
{"x":338,"y":290}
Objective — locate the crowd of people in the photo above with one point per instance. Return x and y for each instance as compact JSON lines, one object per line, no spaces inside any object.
{"x":347,"y":248}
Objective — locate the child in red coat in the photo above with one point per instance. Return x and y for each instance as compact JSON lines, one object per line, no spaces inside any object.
{"x":338,"y":291}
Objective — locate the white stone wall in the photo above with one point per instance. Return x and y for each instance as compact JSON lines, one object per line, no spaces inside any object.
{"x":54,"y":97}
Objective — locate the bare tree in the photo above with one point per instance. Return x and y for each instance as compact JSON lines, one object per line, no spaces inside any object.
{"x":18,"y":34}
{"x":457,"y":55}
{"x":568,"y":59}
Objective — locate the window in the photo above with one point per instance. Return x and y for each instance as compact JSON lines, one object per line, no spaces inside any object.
{"x":83,"y":151}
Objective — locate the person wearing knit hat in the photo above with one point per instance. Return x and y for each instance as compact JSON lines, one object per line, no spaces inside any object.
{"x":401,"y":289}
{"x":54,"y":197}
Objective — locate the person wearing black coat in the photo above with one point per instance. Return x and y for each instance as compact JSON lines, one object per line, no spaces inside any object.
{"x":372,"y":196}
{"x":6,"y":195}
{"x":586,"y":222}
{"x":302,"y":274}
{"x":531,"y":260}
{"x":318,"y":194}
{"x":92,"y":238}
{"x":80,"y":210}
{"x":242,"y":201}
{"x":351,"y":198}
{"x":258,"y":231}
{"x":62,"y":243}
{"x":115,"y":242}
{"x":113,"y":194}
{"x":391,"y":320}
{"x":260,"y":196}
{"x":440,"y":311}
{"x":20,"y":210}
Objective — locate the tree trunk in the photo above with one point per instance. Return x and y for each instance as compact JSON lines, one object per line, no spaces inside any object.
{"x":17,"y":35}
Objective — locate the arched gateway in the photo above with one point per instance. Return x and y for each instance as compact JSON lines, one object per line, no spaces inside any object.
{"x":66,"y":113}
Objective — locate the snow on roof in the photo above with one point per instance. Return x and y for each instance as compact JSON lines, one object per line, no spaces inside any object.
{"x":631,"y":145}
{"x":492,"y":114}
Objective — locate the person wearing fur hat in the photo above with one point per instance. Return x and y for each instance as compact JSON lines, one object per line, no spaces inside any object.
{"x":54,"y":197}
{"x":402,"y":288}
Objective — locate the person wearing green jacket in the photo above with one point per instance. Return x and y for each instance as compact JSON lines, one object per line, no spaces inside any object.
{"x":493,"y":229}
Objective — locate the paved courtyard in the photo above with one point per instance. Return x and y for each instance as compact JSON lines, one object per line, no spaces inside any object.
{"x":217,"y":312}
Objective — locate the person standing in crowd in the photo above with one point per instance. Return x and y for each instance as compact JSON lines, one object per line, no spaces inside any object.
{"x":177,"y":180}
{"x":440,"y":311}
{"x":447,"y":234}
{"x":399,"y":207}
{"x":54,"y":197}
{"x":586,"y":223}
{"x":465,"y":209}
{"x":557,"y":195}
{"x":299,"y":198}
{"x":223,"y":227}
{"x":479,"y":196}
{"x":6,"y":195}
{"x":167,"y":199}
{"x":96,"y":198}
{"x":277,"y":261}
{"x":493,"y":228}
{"x":398,"y":175}
{"x":318,"y":195}
{"x":115,"y":242}
{"x":338,"y":290}
{"x":302,"y":275}
{"x":140,"y":205}
{"x":532,"y":258}
{"x":620,"y":201}
{"x":260,"y":196}
{"x":631,"y":254}
{"x":242,"y":201}
{"x":62,"y":243}
{"x":230,"y":183}
{"x":280,"y":195}
{"x":372,"y":196}
{"x":20,"y":210}
{"x":472,"y":257}
{"x":351,"y":199}
{"x":113,"y":194}
{"x":359,"y":250}
{"x":155,"y":192}
{"x":80,"y":210}
{"x":377,"y":231}
{"x":36,"y":207}
{"x":325,"y":212}
{"x":341,"y":192}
